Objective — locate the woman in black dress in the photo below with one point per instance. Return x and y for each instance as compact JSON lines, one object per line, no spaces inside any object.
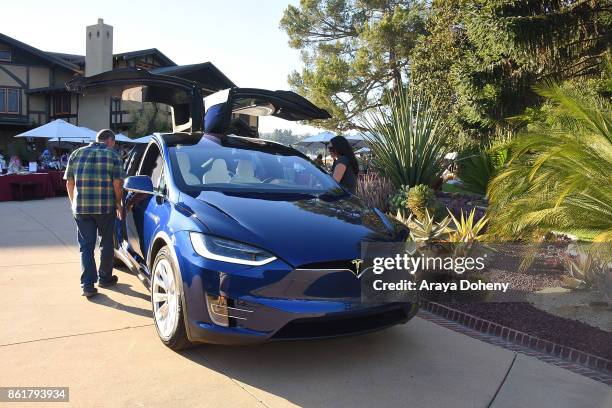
{"x":345,"y":168}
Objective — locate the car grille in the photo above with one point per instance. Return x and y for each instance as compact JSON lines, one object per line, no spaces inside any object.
{"x":340,"y":325}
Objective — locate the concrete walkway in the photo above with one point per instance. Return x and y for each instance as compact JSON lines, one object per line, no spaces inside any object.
{"x":108,"y":353}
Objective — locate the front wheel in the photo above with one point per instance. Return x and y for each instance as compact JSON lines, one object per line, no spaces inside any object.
{"x":166,"y":301}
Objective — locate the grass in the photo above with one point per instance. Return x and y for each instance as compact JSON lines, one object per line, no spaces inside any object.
{"x":449,"y":188}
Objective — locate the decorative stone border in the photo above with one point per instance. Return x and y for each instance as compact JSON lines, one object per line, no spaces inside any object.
{"x":563,"y":356}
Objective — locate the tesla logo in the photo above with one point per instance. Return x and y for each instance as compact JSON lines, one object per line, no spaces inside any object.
{"x":357,"y":263}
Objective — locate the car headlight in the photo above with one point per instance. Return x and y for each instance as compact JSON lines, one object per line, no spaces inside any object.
{"x":226,"y":250}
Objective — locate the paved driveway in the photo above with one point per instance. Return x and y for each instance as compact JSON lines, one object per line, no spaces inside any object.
{"x":107,"y":351}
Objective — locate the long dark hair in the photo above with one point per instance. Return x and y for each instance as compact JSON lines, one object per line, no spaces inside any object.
{"x":342,"y":147}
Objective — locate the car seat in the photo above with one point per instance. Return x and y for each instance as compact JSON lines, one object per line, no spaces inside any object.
{"x":185,"y":166}
{"x":245,"y":173}
{"x":217,"y":174}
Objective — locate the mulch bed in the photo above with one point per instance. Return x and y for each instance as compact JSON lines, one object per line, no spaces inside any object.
{"x":524,"y":317}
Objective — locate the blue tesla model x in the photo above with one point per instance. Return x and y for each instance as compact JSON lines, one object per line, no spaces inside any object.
{"x":240,"y":240}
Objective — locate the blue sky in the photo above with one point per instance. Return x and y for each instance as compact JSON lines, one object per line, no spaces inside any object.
{"x":241,"y":37}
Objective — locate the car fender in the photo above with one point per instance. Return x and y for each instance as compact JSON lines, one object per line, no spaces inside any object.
{"x":193,"y":295}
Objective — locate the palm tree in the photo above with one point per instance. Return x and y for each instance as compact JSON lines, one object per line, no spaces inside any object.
{"x":559,"y":177}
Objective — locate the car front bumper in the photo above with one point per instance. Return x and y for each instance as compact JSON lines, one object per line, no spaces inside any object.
{"x":277,"y":302}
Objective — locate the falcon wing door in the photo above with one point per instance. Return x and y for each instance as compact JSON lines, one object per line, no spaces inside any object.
{"x":138,"y":85}
{"x":222,"y":106}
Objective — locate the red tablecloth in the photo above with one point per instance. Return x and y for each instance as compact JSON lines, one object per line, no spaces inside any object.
{"x":46,"y":180}
{"x":57,"y":179}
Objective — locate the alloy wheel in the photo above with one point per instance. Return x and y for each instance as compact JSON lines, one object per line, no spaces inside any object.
{"x":165,"y":298}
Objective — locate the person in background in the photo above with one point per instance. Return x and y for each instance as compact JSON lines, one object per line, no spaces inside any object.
{"x":2,"y":164}
{"x":94,"y":180}
{"x":319,"y":160}
{"x":14,"y":165}
{"x":345,"y":167}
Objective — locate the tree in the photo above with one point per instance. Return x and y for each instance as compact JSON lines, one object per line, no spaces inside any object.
{"x":485,"y":56}
{"x":149,"y":118}
{"x":355,"y":52}
{"x":284,"y":136}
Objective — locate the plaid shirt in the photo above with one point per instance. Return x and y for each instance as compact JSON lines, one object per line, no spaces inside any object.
{"x":93,"y":168}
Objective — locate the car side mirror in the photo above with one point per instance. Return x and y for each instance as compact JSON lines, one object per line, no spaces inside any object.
{"x":139,"y":184}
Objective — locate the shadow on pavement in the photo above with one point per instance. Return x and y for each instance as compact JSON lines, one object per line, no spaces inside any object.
{"x":127,"y":290}
{"x":381,"y":369}
{"x":103,"y":300}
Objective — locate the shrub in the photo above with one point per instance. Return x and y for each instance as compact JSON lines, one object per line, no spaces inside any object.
{"x":476,"y":169}
{"x":558,"y":177}
{"x":408,"y":140}
{"x":399,"y":201}
{"x":375,"y":191}
{"x":588,"y":270}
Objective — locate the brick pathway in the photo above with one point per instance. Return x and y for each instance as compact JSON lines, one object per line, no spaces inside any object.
{"x":577,"y":362}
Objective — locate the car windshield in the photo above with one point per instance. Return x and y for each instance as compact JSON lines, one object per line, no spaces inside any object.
{"x":242,"y":165}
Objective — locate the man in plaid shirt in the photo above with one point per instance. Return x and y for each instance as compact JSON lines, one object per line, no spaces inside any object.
{"x":94,"y":179}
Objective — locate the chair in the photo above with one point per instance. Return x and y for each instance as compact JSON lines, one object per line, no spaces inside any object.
{"x":185,"y":166}
{"x":217,"y":174}
{"x":245,"y":173}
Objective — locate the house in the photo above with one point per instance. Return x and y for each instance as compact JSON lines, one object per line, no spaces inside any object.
{"x":33,"y":92}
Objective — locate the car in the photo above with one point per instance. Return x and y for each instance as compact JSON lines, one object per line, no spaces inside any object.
{"x":240,"y":240}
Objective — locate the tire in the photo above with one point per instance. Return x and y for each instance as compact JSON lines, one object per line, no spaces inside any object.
{"x":167,"y":290}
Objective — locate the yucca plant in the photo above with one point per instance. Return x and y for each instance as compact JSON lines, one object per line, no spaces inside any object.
{"x":408,"y":140}
{"x":465,"y":230}
{"x":558,"y":177}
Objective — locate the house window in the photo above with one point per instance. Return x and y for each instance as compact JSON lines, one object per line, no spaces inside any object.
{"x":5,"y":55}
{"x":9,"y":100}
{"x":61,"y":104}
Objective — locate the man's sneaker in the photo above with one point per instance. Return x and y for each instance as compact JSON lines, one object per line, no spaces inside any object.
{"x":89,"y":292}
{"x":110,"y":282}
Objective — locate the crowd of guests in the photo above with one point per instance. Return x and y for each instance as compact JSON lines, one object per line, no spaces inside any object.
{"x":54,"y":159}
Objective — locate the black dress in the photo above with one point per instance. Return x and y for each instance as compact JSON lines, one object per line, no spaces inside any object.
{"x":349,"y":178}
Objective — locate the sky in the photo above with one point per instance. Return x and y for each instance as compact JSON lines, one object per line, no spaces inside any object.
{"x":241,"y":37}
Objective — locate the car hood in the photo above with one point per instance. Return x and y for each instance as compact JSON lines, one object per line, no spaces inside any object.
{"x":298,"y":230}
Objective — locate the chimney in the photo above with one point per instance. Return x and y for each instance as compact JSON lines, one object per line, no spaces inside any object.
{"x":99,"y":48}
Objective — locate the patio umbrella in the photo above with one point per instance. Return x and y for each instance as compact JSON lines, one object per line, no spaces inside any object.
{"x":123,"y":138}
{"x":320,"y":138}
{"x":364,"y":150}
{"x":59,"y":129}
{"x":144,"y":139}
{"x":356,"y":140}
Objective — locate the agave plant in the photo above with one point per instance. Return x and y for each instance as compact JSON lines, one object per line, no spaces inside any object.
{"x":558,"y":177}
{"x":408,"y":140}
{"x":465,"y":229}
{"x":428,"y":230}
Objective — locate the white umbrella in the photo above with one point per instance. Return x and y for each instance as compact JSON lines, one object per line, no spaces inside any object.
{"x":322,"y":138}
{"x":123,"y":138}
{"x":57,"y":129}
{"x":363,"y":150}
{"x":144,"y":139}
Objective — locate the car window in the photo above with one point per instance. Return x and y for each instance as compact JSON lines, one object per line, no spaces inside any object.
{"x":234,"y":164}
{"x":153,"y":166}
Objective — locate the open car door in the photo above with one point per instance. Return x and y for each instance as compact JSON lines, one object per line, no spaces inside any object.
{"x":138,"y":85}
{"x":222,"y":107}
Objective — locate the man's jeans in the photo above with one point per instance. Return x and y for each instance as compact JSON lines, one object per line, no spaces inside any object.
{"x":89,"y":226}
